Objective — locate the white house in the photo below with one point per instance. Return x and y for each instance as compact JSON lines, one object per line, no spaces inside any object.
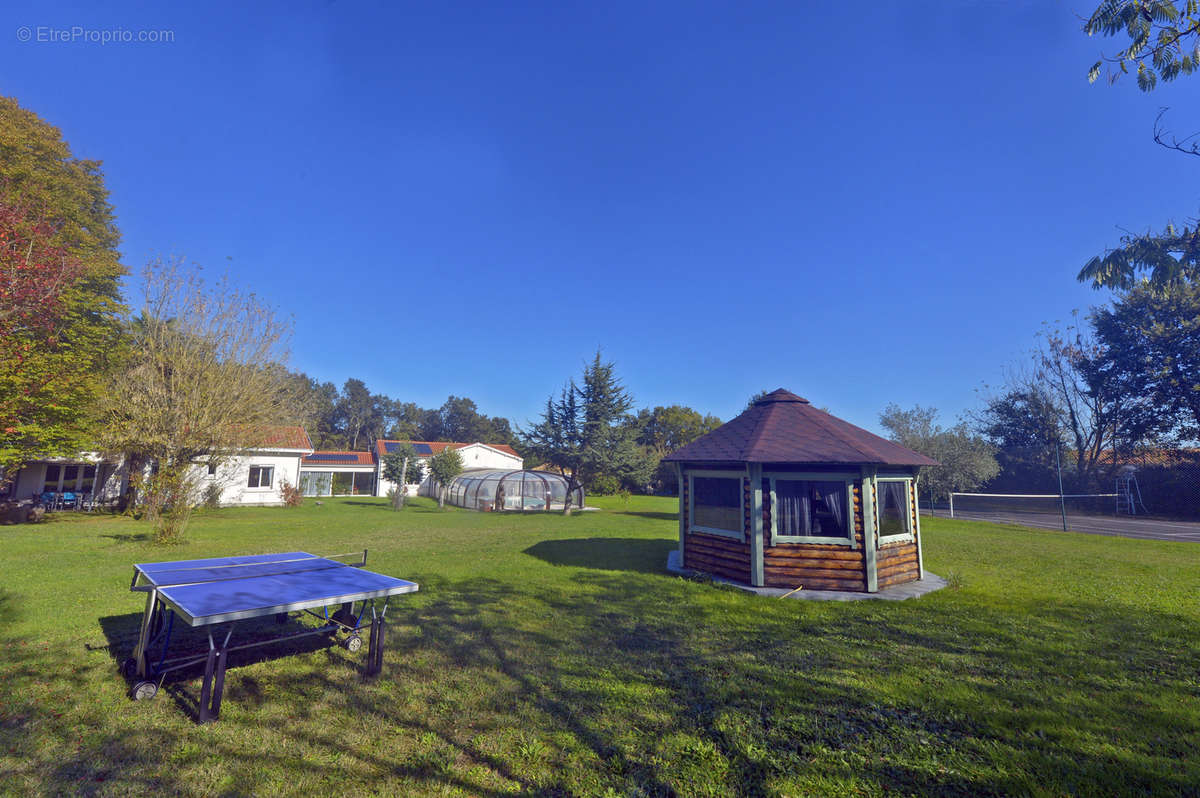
{"x":257,"y":477}
{"x":254,"y":478}
{"x":474,"y":456}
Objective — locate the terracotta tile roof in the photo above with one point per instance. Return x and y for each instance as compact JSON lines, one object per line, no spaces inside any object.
{"x":339,"y":458}
{"x":784,"y":428}
{"x":287,"y":438}
{"x":436,"y":447}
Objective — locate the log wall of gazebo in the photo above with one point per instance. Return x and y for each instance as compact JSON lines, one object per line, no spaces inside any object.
{"x":812,"y":565}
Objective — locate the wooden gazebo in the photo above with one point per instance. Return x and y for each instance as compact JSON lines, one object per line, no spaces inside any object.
{"x":786,"y":495}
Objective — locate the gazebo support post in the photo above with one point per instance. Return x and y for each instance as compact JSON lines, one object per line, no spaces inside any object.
{"x":868,"y":511}
{"x":756,"y":524}
{"x":682,"y":509}
{"x":917,"y":524}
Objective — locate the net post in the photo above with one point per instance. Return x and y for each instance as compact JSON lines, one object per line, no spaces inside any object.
{"x":1062,"y":501}
{"x":951,"y":504}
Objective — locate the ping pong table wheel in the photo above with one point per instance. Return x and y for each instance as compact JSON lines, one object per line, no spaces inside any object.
{"x":353,"y":643}
{"x":144,"y":691}
{"x":129,"y":668}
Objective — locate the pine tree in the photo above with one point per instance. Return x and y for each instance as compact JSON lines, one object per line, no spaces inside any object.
{"x":585,"y":433}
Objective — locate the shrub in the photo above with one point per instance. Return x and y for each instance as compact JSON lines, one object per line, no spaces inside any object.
{"x":604,"y":485}
{"x":292,"y":497}
{"x":212,"y":496}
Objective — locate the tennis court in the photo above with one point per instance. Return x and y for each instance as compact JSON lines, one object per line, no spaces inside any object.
{"x":1093,"y":524}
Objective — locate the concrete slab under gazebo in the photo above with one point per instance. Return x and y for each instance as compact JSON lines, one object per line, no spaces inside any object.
{"x":787,"y":496}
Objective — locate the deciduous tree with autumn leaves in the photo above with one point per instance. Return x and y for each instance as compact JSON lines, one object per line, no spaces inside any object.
{"x":59,"y":302}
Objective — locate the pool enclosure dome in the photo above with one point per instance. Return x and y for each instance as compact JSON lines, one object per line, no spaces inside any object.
{"x":498,"y":490}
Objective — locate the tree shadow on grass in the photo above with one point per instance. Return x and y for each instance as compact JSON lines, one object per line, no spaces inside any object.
{"x":607,"y":554}
{"x":121,"y":632}
{"x":657,"y":516}
{"x":629,"y":683}
{"x":129,"y":537}
{"x":8,"y":608}
{"x":618,"y":657}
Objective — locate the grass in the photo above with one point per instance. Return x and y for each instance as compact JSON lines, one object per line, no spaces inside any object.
{"x":550,"y":655}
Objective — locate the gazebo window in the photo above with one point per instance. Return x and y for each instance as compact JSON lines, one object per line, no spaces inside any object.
{"x":893,"y":503}
{"x":716,"y":505}
{"x":811,"y":510}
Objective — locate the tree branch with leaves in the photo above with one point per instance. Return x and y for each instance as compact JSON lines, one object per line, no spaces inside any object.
{"x":1163,"y":44}
{"x":203,"y":382}
{"x":443,"y":468}
{"x":400,"y":467}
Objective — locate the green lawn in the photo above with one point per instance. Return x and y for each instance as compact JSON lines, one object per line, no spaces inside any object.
{"x":551,"y":655}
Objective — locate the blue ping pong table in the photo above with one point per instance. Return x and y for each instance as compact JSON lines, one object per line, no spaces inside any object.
{"x":217,"y":593}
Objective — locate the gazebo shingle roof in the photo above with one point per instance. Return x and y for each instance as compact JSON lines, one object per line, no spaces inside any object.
{"x":784,"y":428}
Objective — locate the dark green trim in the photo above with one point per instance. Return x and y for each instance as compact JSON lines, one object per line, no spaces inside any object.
{"x":917,"y":529}
{"x":679,"y":488}
{"x":869,"y":542}
{"x":756,"y":523}
{"x":909,"y":493}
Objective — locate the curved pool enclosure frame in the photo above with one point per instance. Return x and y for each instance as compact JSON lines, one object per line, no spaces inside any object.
{"x":498,"y":490}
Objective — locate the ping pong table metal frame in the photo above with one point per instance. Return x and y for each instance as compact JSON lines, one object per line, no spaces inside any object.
{"x":158,"y":621}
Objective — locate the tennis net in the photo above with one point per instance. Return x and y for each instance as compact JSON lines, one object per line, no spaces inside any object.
{"x":1019,"y":507}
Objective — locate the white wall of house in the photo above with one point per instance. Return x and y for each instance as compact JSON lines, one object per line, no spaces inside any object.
{"x":382,"y":486}
{"x":474,"y":456}
{"x":30,"y":480}
{"x":480,"y":455}
{"x":233,"y":477}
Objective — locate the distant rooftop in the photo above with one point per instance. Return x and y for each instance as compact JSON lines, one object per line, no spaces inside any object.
{"x":428,"y":448}
{"x":339,"y":458}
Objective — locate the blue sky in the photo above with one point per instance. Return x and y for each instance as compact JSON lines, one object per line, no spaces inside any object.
{"x":469,"y":199}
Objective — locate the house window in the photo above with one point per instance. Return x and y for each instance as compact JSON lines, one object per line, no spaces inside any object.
{"x":716,"y":505}
{"x":892,"y":502}
{"x":350,"y":483}
{"x":316,"y":483}
{"x":212,"y":469}
{"x":53,"y":473}
{"x":261,"y":476}
{"x":89,"y":479}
